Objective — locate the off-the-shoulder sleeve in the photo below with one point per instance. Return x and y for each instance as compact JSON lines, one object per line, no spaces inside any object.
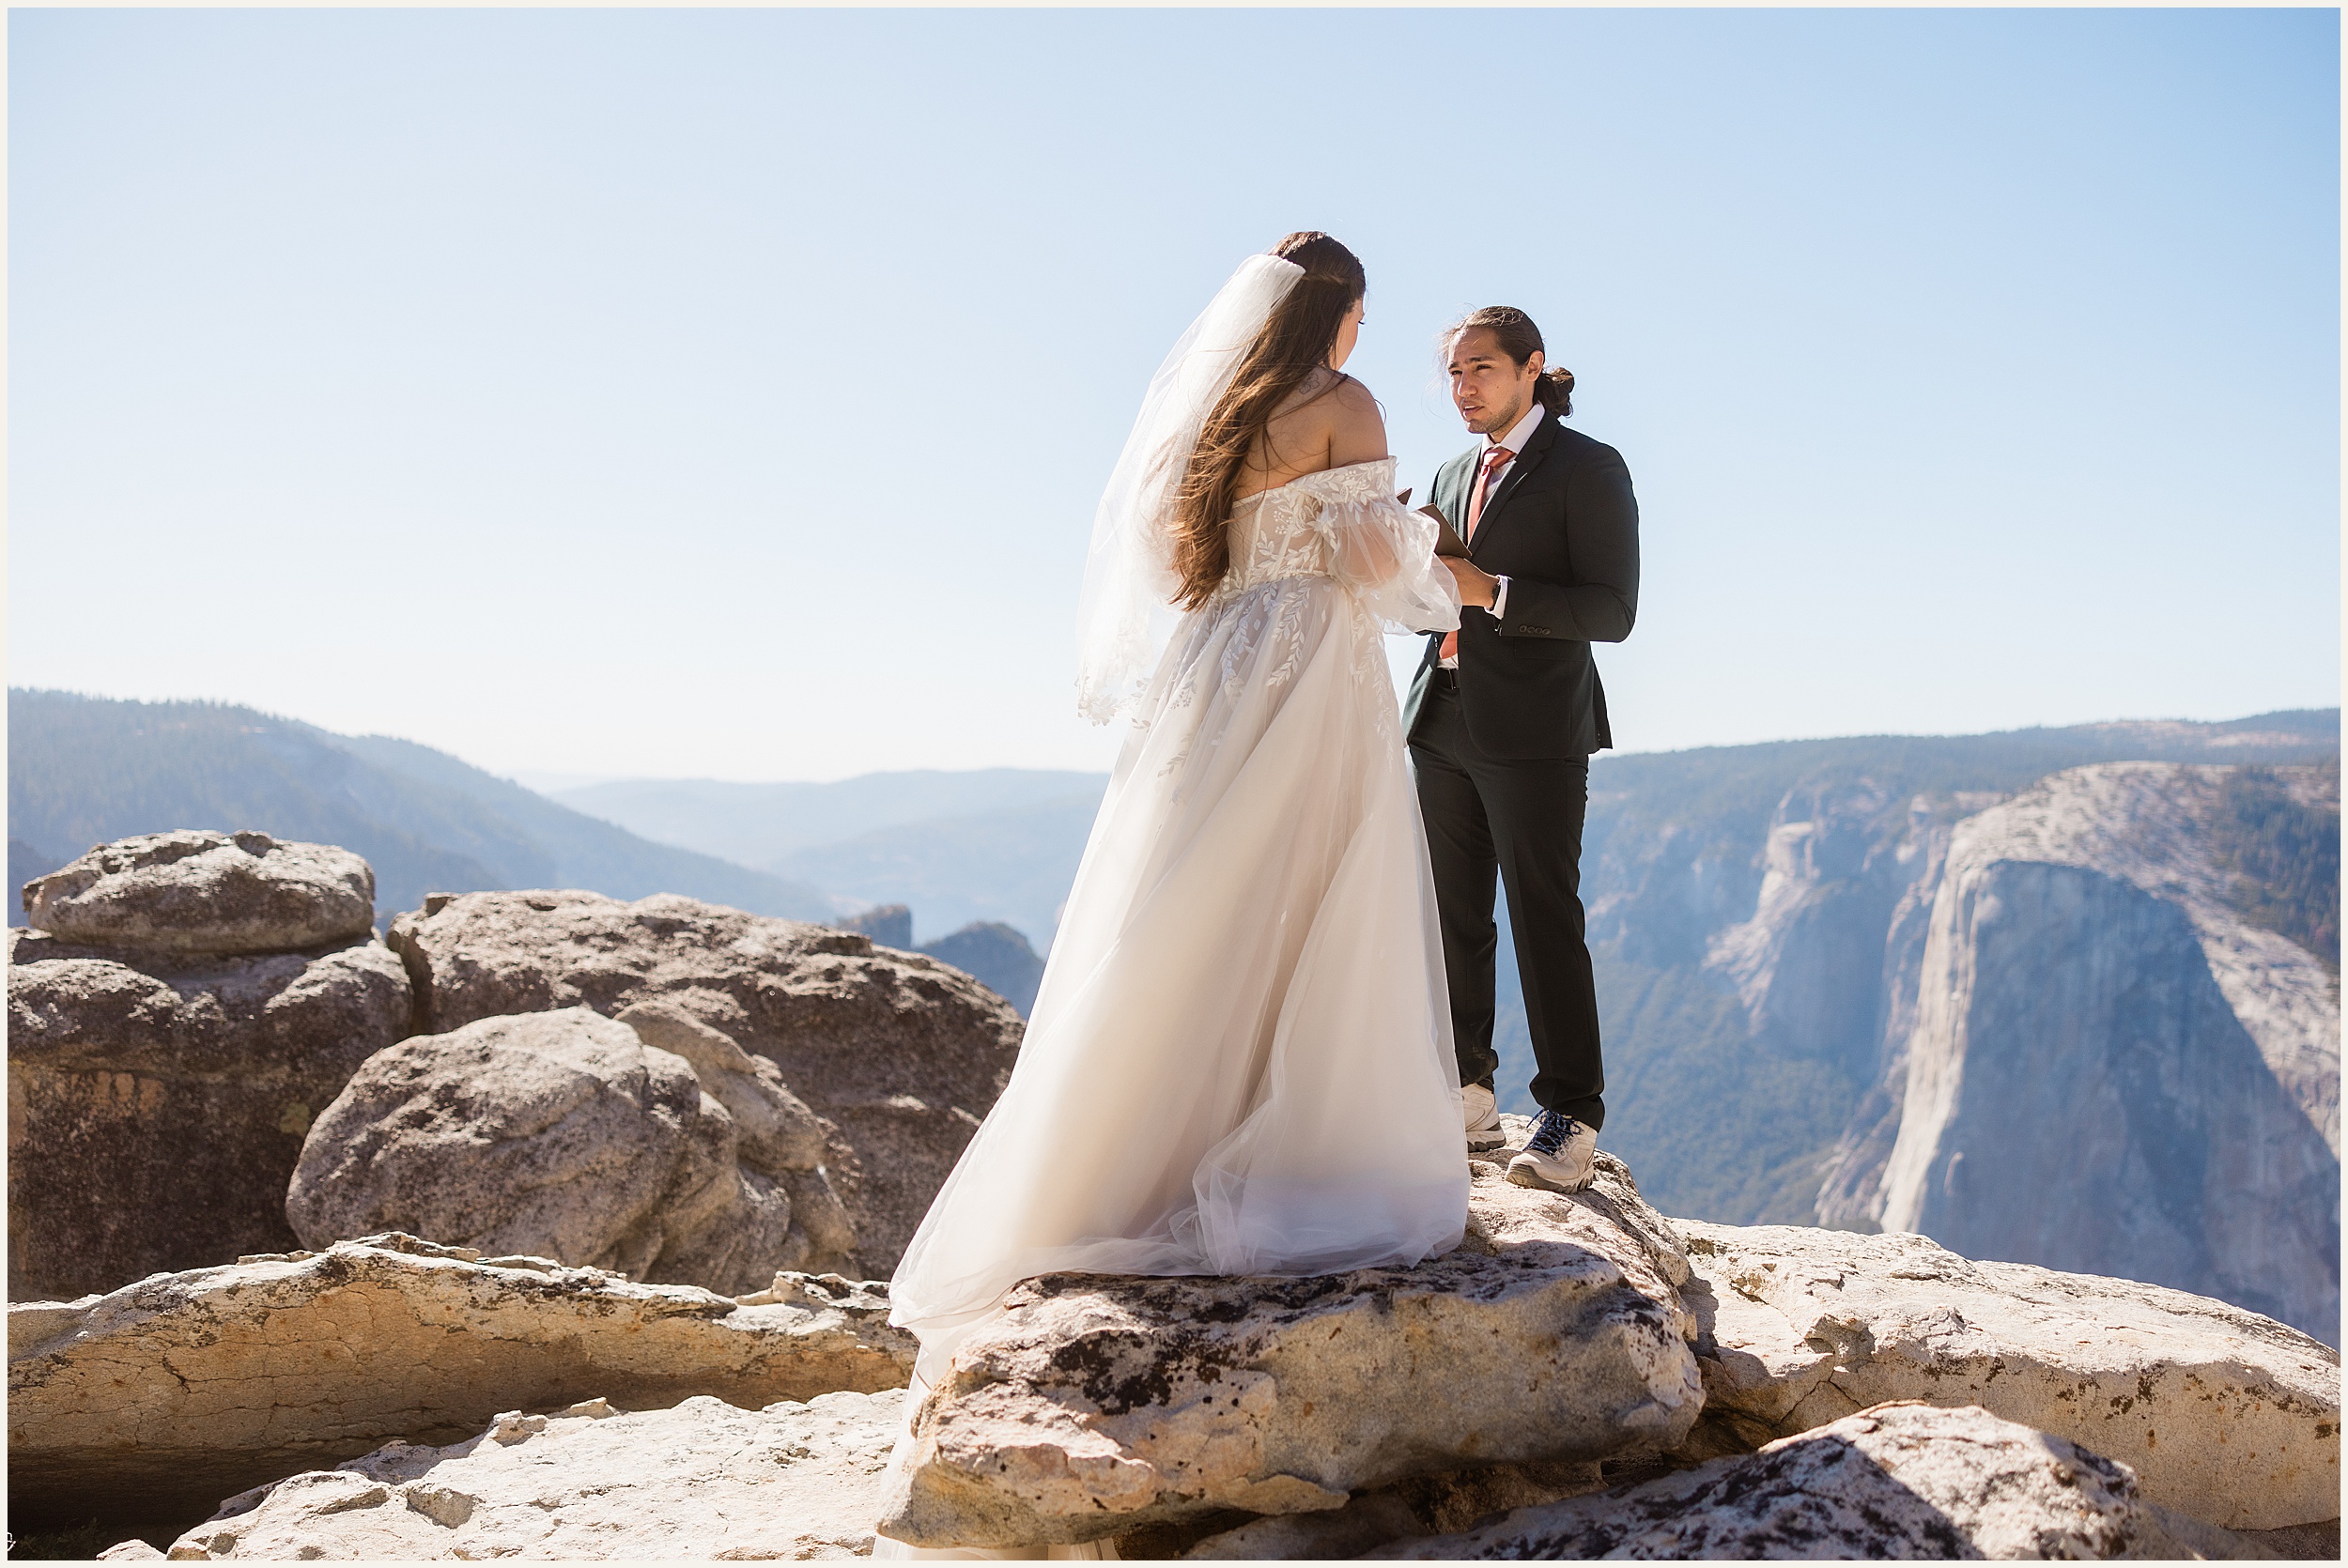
{"x":1383,"y":553}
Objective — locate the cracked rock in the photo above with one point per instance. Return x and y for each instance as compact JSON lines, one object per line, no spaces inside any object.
{"x":2222,"y":1414}
{"x":185,"y":1388}
{"x":157,"y":1102}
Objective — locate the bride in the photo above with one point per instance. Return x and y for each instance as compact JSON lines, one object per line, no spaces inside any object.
{"x":1239,"y":1060}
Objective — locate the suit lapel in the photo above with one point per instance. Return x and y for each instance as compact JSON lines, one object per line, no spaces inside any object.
{"x":1450,"y":498}
{"x":1451,"y":489}
{"x":1535,"y":448}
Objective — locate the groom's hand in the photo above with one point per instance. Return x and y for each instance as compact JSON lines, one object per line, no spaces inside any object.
{"x":1476,"y":586}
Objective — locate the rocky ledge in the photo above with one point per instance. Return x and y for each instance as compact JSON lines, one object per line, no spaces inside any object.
{"x":703,"y":1479}
{"x":1903,"y":1480}
{"x":1553,"y":1353}
{"x":185,"y":1388}
{"x":2222,"y":1414}
{"x":1096,"y":1405}
{"x":1582,"y":1376}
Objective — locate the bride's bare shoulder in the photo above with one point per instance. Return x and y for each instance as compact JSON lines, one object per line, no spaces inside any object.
{"x":1352,"y":399}
{"x":1357,"y":426}
{"x":1331,"y":414}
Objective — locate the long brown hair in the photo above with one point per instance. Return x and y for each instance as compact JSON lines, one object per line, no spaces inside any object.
{"x":1293,"y":345}
{"x":1519,"y":340}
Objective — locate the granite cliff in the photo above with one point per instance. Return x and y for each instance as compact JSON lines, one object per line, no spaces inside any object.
{"x":2111,"y":1069}
{"x":2088,"y":1019}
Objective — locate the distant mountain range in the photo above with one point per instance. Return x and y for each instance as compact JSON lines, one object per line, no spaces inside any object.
{"x":993,"y":845}
{"x":1725,"y":1115}
{"x":759,"y":824}
{"x":84,"y":770}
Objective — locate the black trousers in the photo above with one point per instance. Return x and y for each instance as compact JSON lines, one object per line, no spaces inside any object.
{"x":1521,"y":820}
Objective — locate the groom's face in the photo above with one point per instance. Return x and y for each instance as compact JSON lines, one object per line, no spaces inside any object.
{"x":1490,"y":389}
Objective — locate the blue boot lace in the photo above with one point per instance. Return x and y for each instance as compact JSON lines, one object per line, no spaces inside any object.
{"x":1550,"y":1135}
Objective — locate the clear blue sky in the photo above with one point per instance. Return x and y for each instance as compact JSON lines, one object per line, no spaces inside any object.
{"x":727,"y":394}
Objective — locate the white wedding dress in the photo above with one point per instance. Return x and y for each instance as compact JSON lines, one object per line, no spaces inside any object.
{"x":1240,"y":1059}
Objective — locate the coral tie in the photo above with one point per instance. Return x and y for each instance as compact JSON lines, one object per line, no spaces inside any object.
{"x":1496,"y":457}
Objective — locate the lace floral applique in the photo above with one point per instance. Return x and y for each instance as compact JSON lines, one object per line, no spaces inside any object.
{"x":1356,"y":482}
{"x":1240,"y":651}
{"x":1369,"y":674}
{"x":1281,"y":541}
{"x":1288,"y":632}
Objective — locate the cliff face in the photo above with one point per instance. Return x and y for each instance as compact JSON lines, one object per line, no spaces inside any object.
{"x":1756,"y":916}
{"x":2088,"y":1021}
{"x":2109,"y":1069}
{"x":1807,"y":964}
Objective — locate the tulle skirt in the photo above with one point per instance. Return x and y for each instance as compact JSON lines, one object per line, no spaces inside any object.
{"x":1240,"y":1059}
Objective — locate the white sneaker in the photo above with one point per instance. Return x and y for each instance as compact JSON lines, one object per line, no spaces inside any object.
{"x":1484,"y":1132}
{"x":1557,"y":1156}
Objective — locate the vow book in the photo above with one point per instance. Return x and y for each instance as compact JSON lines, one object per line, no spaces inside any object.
{"x":1447,"y":540}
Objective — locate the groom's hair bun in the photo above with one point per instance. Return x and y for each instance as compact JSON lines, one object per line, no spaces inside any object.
{"x":1519,"y":340}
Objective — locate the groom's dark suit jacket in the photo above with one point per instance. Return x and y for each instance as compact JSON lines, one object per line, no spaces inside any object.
{"x":1564,"y":530}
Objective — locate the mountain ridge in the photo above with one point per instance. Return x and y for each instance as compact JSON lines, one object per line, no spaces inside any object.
{"x":86,"y":770}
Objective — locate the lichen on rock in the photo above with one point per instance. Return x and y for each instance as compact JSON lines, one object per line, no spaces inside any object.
{"x":1899,"y":1481}
{"x":1098,"y":1405}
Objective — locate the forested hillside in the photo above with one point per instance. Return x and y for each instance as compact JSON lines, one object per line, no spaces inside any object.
{"x":84,"y":770}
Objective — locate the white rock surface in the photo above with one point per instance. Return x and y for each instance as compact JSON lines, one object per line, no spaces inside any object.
{"x":2224,"y":1415}
{"x":1901,"y":1480}
{"x":1096,"y":1405}
{"x":703,"y":1479}
{"x":194,"y":1385}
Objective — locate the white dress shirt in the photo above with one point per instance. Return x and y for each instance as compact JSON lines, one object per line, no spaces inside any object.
{"x":1514,"y":440}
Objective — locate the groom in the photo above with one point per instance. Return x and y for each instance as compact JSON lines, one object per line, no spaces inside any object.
{"x":1504,"y":715}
